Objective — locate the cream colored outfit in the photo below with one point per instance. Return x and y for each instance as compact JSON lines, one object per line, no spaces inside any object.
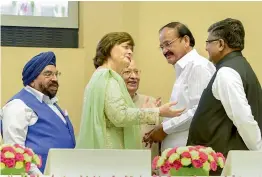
{"x":139,"y":100}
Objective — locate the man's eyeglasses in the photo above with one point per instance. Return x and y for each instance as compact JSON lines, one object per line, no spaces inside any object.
{"x":167,"y":44}
{"x":127,"y":73}
{"x":51,"y":74}
{"x":212,"y":40}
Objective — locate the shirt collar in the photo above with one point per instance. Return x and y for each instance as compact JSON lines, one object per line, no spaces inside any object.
{"x":181,"y":64}
{"x":229,"y":56}
{"x":40,"y":96}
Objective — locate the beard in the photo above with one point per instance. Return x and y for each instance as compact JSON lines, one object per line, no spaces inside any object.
{"x":46,"y":89}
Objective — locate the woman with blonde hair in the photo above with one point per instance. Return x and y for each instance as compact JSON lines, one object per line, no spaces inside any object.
{"x":110,"y":119}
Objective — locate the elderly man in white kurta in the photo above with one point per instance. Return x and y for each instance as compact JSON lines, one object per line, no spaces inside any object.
{"x":131,"y":76}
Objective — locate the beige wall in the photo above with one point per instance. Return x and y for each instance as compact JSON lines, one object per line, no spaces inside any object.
{"x":198,"y":16}
{"x":142,"y":20}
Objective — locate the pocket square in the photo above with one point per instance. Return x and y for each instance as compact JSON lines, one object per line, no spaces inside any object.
{"x":65,"y":112}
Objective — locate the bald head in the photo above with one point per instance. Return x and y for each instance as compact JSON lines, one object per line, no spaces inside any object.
{"x":132,"y":65}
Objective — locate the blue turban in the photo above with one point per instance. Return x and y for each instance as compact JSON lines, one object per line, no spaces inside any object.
{"x":36,"y":65}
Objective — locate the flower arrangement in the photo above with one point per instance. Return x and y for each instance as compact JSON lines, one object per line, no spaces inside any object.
{"x":188,"y":161}
{"x":16,"y":160}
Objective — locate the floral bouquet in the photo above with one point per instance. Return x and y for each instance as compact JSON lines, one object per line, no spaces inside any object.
{"x":188,"y":161}
{"x":16,"y":160}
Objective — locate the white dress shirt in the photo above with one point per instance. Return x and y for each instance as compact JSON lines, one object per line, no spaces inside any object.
{"x":193,"y":73}
{"x":17,"y":117}
{"x":228,"y":88}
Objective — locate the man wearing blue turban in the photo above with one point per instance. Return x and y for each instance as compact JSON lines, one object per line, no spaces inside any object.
{"x":32,"y":117}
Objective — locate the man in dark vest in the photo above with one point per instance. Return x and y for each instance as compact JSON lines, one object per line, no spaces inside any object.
{"x":229,"y":114}
{"x":32,"y":117}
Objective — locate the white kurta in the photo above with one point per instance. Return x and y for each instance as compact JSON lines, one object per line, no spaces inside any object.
{"x":193,"y":73}
{"x":228,"y":88}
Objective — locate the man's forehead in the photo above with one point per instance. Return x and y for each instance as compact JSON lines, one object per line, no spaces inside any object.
{"x":210,"y":35}
{"x":167,"y":34}
{"x":132,"y":65}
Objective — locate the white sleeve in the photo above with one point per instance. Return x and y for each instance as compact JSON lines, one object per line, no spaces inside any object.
{"x":197,"y":82}
{"x":228,"y":88}
{"x":17,"y":117}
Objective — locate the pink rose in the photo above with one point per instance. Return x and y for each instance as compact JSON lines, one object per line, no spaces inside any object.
{"x":203,"y":157}
{"x":172,"y":151}
{"x":163,"y":170}
{"x":154,"y":163}
{"x":19,"y":157}
{"x":213,"y":166}
{"x":10,"y":163}
{"x":186,"y":154}
{"x":29,"y":152}
{"x":197,"y":163}
{"x":2,"y":157}
{"x":191,"y":148}
{"x":27,"y":166}
{"x":221,"y":155}
{"x":214,"y":156}
{"x":8,"y":148}
{"x":176,"y":164}
{"x":166,"y":170}
{"x":167,"y":166}
{"x":199,"y":147}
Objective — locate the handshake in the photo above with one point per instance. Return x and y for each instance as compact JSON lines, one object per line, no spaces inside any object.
{"x":155,"y":135}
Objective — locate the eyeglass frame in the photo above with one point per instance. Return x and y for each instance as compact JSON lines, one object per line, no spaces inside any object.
{"x":167,"y":44}
{"x":212,"y":40}
{"x":49,"y":74}
{"x":131,"y":71}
